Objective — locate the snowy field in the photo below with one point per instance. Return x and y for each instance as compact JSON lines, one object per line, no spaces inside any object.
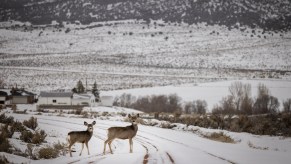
{"x":155,"y":145}
{"x":211,"y":92}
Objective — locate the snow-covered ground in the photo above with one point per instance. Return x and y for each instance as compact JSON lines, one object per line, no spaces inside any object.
{"x":154,"y":145}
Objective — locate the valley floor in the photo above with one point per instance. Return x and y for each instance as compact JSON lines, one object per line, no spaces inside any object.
{"x":154,"y":145}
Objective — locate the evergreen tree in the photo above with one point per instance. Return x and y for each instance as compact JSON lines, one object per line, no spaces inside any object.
{"x":95,"y":92}
{"x":80,"y":87}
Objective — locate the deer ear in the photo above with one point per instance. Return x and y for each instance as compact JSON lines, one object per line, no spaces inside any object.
{"x":129,"y":116}
{"x":85,"y":123}
{"x":94,"y":122}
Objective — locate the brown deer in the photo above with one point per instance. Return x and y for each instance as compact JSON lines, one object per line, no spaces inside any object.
{"x":81,"y":137}
{"x":127,"y":132}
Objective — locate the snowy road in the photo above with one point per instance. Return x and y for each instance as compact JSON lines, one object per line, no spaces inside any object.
{"x":154,"y":145}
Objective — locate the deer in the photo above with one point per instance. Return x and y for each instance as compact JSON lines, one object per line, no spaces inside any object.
{"x":127,"y":132}
{"x":81,"y":137}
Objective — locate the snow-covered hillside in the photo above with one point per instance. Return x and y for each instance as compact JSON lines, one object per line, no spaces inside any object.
{"x":154,"y":145}
{"x":133,"y":54}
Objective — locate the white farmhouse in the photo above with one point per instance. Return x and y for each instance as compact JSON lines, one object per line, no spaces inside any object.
{"x":65,"y":98}
{"x":55,"y":98}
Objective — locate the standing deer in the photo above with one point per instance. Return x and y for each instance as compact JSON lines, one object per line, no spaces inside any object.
{"x":127,"y":132}
{"x":81,"y":137}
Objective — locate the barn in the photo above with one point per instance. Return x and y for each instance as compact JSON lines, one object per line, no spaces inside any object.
{"x":20,"y":96}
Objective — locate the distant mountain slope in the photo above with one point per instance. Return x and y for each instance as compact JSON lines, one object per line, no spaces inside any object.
{"x":270,"y":15}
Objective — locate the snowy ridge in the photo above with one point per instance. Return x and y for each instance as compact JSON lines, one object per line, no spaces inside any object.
{"x":268,"y":15}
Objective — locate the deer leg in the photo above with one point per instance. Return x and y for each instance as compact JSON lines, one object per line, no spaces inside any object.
{"x":82,"y":149}
{"x":130,"y":145}
{"x":110,"y":146}
{"x":87,"y":147}
{"x":70,"y":149}
{"x":105,"y":143}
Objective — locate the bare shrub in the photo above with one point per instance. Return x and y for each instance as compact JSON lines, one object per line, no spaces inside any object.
{"x":3,"y":160}
{"x":35,"y":138}
{"x":167,"y":125}
{"x":60,"y":147}
{"x":105,"y":114}
{"x":48,"y":153}
{"x":7,"y":131}
{"x":78,"y":111}
{"x":31,"y":123}
{"x":85,"y":114}
{"x":38,"y":137}
{"x":4,"y":143}
{"x":221,"y":137}
{"x":6,"y":120}
{"x":18,"y":126}
{"x":29,"y":151}
{"x":26,"y":136}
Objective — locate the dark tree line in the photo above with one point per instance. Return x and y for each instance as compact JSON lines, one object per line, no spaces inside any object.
{"x":240,"y":101}
{"x":160,"y":103}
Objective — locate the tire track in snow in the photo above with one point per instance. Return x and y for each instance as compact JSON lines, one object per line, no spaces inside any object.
{"x":148,"y":146}
{"x":147,"y":141}
{"x":213,"y":155}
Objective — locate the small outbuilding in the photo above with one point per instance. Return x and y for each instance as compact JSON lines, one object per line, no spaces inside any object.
{"x":106,"y":101}
{"x":20,"y":96}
